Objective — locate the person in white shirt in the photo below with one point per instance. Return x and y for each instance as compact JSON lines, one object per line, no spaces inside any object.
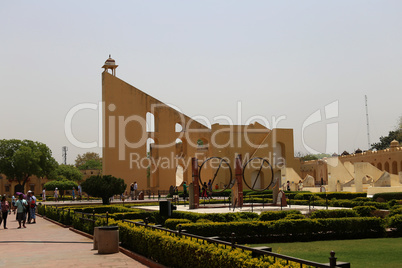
{"x":44,"y":195}
{"x":135,"y":190}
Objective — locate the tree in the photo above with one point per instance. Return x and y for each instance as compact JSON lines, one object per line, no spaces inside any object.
{"x":61,"y":185}
{"x":21,"y":159}
{"x":89,"y":160}
{"x":103,"y":186}
{"x":308,"y":157}
{"x":68,"y":172}
{"x":385,"y":141}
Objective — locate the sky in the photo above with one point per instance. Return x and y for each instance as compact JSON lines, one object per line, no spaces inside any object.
{"x":278,"y":60}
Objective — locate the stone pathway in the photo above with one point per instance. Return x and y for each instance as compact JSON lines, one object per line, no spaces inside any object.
{"x":46,"y":244}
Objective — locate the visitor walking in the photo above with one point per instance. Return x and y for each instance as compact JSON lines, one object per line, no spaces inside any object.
{"x":56,"y":194}
{"x":288,"y":185}
{"x":44,"y":195}
{"x":32,"y":208}
{"x":209,"y":192}
{"x":300,"y":185}
{"x":21,"y":210}
{"x":135,"y":190}
{"x":13,"y":207}
{"x":132,"y":191}
{"x":29,"y":198}
{"x":204,"y":190}
{"x":184,"y":190}
{"x":73,"y":193}
{"x":4,"y":211}
{"x":80,"y":191}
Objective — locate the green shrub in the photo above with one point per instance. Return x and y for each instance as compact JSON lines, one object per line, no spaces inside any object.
{"x":365,"y":211}
{"x":276,"y":215}
{"x":397,"y":210}
{"x":215,"y":217}
{"x":293,"y":230}
{"x":153,"y":216}
{"x":179,"y":252}
{"x":336,"y":213}
{"x":294,"y":216}
{"x":299,"y":196}
{"x":172,"y":223}
{"x":396,"y":222}
{"x":364,"y":199}
{"x":107,"y":208}
{"x":388,"y":196}
{"x":393,"y":203}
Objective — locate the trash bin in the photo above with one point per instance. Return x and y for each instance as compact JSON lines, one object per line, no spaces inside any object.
{"x":96,"y":237}
{"x":165,"y":208}
{"x":141,"y":196}
{"x":108,"y":239}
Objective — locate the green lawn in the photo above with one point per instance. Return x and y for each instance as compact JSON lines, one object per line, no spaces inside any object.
{"x":379,"y":252}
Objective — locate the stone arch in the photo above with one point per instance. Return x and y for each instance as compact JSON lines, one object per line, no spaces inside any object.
{"x":150,"y":122}
{"x":202,"y":143}
{"x":259,"y":184}
{"x":394,"y":168}
{"x":386,"y":166}
{"x":151,"y":152}
{"x":179,"y":175}
{"x":179,"y":147}
{"x":278,"y":179}
{"x":379,"y":166}
{"x":178,"y":128}
{"x":279,"y":154}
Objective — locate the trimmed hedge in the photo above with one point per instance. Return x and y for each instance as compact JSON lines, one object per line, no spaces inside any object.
{"x":153,"y":216}
{"x":109,"y":208}
{"x":276,"y":215}
{"x":365,"y":211}
{"x":396,"y":211}
{"x":396,"y":222}
{"x":180,"y":252}
{"x":330,"y":195}
{"x":293,"y":230}
{"x":388,"y":196}
{"x":336,"y":213}
{"x":172,"y":223}
{"x":215,"y":217}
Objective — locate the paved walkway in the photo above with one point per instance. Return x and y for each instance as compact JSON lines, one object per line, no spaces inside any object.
{"x":257,"y":208}
{"x":46,"y":244}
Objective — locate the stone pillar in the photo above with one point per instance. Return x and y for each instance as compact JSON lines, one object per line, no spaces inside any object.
{"x":239,"y":180}
{"x":195,"y":182}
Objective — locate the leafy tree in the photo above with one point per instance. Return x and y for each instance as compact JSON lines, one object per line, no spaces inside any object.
{"x":21,"y":159}
{"x":68,"y":172}
{"x":61,"y":185}
{"x":89,"y":160}
{"x":309,"y":157}
{"x":392,"y":135}
{"x":103,"y":186}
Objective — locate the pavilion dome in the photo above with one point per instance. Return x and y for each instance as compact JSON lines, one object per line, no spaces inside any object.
{"x":110,"y":61}
{"x":394,"y":144}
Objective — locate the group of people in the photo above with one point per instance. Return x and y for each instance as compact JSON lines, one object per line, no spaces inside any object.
{"x":25,"y":206}
{"x":299,"y":186}
{"x":56,"y":193}
{"x":207,"y":189}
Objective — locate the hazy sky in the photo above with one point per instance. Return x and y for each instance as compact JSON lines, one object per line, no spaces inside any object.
{"x":282,"y":58}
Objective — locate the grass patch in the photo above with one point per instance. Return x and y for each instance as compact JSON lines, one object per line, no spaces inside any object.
{"x":379,"y":252}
